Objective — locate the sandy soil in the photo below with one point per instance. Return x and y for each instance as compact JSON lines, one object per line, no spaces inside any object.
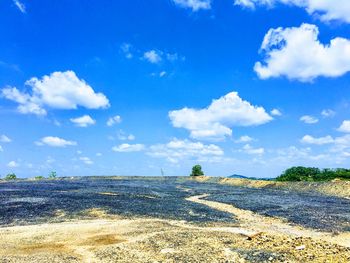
{"x":112,"y":239}
{"x":340,"y":188}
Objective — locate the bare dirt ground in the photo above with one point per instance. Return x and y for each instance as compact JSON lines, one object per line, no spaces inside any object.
{"x":336,"y":187}
{"x":111,"y":239}
{"x":105,"y":236}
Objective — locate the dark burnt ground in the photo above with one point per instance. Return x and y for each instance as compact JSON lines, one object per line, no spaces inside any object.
{"x":32,"y":202}
{"x":311,"y":210}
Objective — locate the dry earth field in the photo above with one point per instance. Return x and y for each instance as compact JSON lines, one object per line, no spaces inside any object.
{"x":173,"y":219}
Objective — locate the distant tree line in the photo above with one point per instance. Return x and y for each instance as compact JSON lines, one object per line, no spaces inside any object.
{"x":13,"y":176}
{"x":300,"y":173}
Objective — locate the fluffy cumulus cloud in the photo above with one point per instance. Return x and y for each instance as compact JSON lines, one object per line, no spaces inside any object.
{"x":308,"y":119}
{"x":4,"y":138}
{"x":308,"y":139}
{"x":296,"y":53}
{"x":59,"y":90}
{"x":195,"y":5}
{"x":55,"y":142}
{"x":156,"y":56}
{"x":177,"y":150}
{"x":251,"y":150}
{"x":339,"y":146}
{"x":125,"y":147}
{"x":276,"y":112}
{"x":153,"y":56}
{"x":83,"y":121}
{"x":345,"y":126}
{"x":244,"y":139}
{"x":326,"y":10}
{"x":214,"y":122}
{"x":114,"y":120}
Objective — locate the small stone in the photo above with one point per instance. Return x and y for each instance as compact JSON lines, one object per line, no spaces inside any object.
{"x":300,"y":247}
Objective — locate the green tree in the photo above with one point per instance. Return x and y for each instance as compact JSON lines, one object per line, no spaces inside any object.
{"x":11,"y":176}
{"x":300,"y":173}
{"x":52,"y":175}
{"x":197,"y":170}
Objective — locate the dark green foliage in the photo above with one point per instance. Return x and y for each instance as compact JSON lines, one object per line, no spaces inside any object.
{"x":300,"y":173}
{"x":11,"y":176}
{"x":197,"y":170}
{"x":52,"y":175}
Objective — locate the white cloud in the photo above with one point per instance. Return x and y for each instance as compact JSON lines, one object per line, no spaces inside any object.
{"x":126,"y":50}
{"x":340,"y":146}
{"x":308,"y":119}
{"x":244,"y":139}
{"x":296,"y":53}
{"x":12,"y":164}
{"x":326,"y":10}
{"x":21,"y":7}
{"x":114,"y":120}
{"x":55,"y":142}
{"x":83,"y":121}
{"x":308,"y":139}
{"x":345,"y":126}
{"x":251,"y":150}
{"x":98,"y":154}
{"x":327,"y":113}
{"x":153,"y":56}
{"x":177,"y":150}
{"x":121,"y":135}
{"x":4,"y":138}
{"x":1,"y":149}
{"x":162,"y":74}
{"x":60,"y":90}
{"x":86,"y":160}
{"x":276,"y":112}
{"x":125,"y":147}
{"x":195,"y":5}
{"x":214,"y":122}
{"x":27,"y":104}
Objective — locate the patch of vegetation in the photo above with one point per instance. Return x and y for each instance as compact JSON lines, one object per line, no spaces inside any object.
{"x":40,"y":177}
{"x":197,"y":170}
{"x":11,"y":176}
{"x":300,"y":173}
{"x":52,"y":175}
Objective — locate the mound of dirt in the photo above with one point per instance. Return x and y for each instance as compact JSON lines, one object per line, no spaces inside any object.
{"x":338,"y":188}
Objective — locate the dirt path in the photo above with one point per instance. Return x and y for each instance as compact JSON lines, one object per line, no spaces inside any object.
{"x":258,"y":223}
{"x":156,"y":240}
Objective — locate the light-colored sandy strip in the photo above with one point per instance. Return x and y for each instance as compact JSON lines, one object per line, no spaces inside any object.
{"x":259,"y":223}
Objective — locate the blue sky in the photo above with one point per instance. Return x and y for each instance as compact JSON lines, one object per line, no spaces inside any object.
{"x":132,"y":87}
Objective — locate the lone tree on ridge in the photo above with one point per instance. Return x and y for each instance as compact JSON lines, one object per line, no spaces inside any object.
{"x":197,"y":170}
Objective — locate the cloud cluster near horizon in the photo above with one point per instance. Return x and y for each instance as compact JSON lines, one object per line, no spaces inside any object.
{"x":215,"y":121}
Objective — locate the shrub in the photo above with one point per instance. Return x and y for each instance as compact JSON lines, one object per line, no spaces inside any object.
{"x":197,"y":170}
{"x":52,"y":175}
{"x":39,"y":177}
{"x":300,"y":173}
{"x":11,"y":176}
